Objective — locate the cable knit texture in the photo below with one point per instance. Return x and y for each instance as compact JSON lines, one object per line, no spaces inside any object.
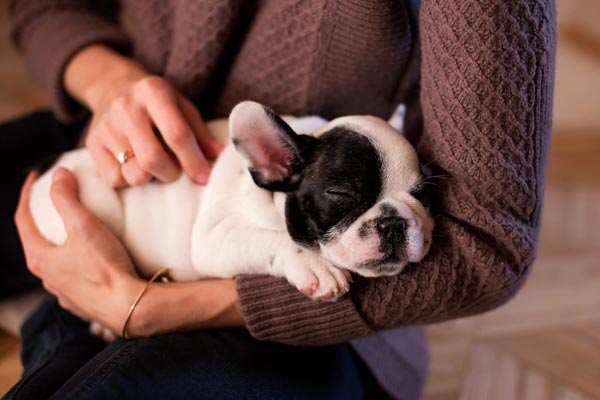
{"x":486,"y":79}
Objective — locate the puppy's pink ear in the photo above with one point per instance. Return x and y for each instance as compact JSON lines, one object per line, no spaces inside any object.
{"x":276,"y":154}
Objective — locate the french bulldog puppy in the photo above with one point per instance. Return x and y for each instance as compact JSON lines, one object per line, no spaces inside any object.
{"x":300,"y":198}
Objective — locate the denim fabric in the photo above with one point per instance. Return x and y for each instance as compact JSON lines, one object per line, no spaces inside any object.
{"x":55,"y":345}
{"x":63,"y":361}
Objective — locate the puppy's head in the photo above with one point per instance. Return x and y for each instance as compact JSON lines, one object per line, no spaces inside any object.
{"x":353,"y":187}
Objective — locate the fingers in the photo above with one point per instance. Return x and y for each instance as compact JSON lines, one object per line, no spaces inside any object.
{"x":126,"y":122}
{"x":164,"y":108}
{"x":118,"y":140}
{"x":107,"y":166}
{"x":78,"y":220}
{"x":150,"y":156}
{"x":210,"y":146}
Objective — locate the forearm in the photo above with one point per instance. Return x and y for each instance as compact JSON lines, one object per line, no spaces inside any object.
{"x":50,"y":32}
{"x":96,"y":71}
{"x":486,"y":99}
{"x":173,"y":307}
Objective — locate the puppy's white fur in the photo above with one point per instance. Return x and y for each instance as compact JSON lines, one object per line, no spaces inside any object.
{"x":230,"y":226}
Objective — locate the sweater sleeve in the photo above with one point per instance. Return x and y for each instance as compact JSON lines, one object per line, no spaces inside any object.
{"x":486,"y":95}
{"x":50,"y":32}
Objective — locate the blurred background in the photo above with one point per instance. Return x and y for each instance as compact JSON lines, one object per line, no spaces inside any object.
{"x":545,"y":344}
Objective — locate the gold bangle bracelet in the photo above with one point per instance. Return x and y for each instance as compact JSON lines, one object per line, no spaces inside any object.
{"x":165,"y":272}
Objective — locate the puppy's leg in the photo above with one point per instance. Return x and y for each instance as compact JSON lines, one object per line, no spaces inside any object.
{"x":312,"y":274}
{"x":235,"y":246}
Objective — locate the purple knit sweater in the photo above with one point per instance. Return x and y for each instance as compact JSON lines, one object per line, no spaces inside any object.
{"x":477,"y":76}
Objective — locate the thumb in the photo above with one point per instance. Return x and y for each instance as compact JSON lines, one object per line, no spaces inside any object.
{"x":64,"y":194}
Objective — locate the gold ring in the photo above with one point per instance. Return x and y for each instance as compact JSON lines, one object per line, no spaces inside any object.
{"x":123,"y":156}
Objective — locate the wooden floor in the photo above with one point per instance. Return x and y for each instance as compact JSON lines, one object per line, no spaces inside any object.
{"x":545,"y":344}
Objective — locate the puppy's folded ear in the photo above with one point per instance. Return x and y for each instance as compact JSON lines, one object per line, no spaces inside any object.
{"x":275,"y":153}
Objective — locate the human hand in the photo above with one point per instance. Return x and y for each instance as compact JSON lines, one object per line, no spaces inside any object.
{"x":91,"y":274}
{"x":124,"y":118}
{"x":136,"y":111}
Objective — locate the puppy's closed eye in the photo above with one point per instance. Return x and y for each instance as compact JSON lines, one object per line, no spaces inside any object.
{"x":340,"y":194}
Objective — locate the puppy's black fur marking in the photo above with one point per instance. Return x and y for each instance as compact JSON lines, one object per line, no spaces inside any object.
{"x":341,"y":181}
{"x":424,"y":192}
{"x":387,"y":210}
{"x":363,"y":231}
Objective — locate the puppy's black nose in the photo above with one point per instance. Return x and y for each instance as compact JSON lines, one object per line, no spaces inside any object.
{"x":392,"y":229}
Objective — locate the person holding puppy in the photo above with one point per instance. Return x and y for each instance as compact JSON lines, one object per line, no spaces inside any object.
{"x":477,"y":81}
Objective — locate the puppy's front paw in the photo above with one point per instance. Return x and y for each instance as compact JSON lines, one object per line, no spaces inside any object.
{"x":315,"y":276}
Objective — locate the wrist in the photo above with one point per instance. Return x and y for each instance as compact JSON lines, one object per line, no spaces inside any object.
{"x":186,"y":306}
{"x":123,"y":296}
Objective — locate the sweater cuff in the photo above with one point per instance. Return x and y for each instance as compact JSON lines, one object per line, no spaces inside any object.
{"x":56,"y":38}
{"x":276,"y":311}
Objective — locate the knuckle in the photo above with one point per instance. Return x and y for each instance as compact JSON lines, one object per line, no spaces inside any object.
{"x":113,"y":176}
{"x":57,"y":191}
{"x":121,"y":104}
{"x":177,"y":135}
{"x":152,"y":84}
{"x":63,"y":304}
{"x":139,"y":179}
{"x":152,"y":159}
{"x":47,"y":287}
{"x":34,"y":263}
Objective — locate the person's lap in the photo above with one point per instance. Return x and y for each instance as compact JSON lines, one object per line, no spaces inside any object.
{"x":62,"y":359}
{"x":223,"y":364}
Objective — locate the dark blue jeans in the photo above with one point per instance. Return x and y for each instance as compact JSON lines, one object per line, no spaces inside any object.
{"x":62,"y":360}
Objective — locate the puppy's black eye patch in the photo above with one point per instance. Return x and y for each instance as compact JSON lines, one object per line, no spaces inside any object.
{"x":343,"y":179}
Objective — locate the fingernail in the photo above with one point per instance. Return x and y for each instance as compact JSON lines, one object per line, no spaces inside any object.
{"x":217,"y":148}
{"x":58,"y":175}
{"x":202,"y":179}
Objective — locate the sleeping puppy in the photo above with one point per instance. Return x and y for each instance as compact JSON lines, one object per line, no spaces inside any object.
{"x":300,"y":198}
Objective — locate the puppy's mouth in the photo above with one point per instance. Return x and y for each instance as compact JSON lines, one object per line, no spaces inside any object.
{"x":392,"y":260}
{"x":390,"y":265}
{"x":391,"y":252}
